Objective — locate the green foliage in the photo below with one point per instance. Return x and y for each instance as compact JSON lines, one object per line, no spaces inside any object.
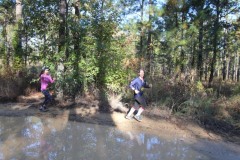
{"x":236,"y":89}
{"x":116,"y":80}
{"x":189,"y":99}
{"x":199,"y":87}
{"x":101,"y":43}
{"x":70,"y":85}
{"x":18,"y":52}
{"x":88,"y":71}
{"x":115,"y":75}
{"x":18,"y":63}
{"x":197,"y":107}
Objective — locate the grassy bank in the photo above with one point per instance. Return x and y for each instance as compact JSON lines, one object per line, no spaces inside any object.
{"x":216,"y":108}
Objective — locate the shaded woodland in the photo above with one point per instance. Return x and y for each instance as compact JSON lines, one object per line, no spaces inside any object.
{"x":188,"y":49}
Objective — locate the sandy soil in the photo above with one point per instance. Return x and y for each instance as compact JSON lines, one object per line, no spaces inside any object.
{"x":155,"y":122}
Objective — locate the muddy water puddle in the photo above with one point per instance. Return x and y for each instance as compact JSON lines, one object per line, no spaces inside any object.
{"x":41,"y":138}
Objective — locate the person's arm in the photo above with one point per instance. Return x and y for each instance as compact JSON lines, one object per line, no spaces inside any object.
{"x":132,"y":86}
{"x":146,"y":85}
{"x":49,"y":79}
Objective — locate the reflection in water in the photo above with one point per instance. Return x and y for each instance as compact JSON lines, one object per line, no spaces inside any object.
{"x":24,"y":138}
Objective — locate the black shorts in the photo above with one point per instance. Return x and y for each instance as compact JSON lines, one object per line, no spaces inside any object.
{"x":140,"y":102}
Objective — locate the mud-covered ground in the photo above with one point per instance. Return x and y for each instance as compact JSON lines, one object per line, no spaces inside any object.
{"x":155,"y":121}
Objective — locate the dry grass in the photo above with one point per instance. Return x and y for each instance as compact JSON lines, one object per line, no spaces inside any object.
{"x":9,"y":88}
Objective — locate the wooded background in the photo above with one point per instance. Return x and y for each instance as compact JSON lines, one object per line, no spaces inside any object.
{"x":104,"y":42}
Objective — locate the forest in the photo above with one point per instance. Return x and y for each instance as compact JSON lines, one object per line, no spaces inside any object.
{"x":188,"y":49}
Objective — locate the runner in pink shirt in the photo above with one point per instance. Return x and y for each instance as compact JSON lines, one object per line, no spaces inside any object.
{"x":45,"y":79}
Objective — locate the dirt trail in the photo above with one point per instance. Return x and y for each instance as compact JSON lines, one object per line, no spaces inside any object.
{"x":154,"y":122}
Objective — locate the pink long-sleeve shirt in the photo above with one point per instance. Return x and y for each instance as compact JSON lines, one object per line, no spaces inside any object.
{"x":45,"y":80}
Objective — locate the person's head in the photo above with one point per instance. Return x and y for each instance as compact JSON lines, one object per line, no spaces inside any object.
{"x":46,"y":70}
{"x":141,"y":73}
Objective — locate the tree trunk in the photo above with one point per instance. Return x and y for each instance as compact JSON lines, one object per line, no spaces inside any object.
{"x":235,"y":66}
{"x":17,"y":44}
{"x":182,"y":57}
{"x":238,"y":71}
{"x":215,"y":40}
{"x":18,"y":10}
{"x":206,"y":67}
{"x":61,"y":45}
{"x":193,"y":61}
{"x":62,"y":30}
{"x":225,"y":70}
{"x":6,"y":46}
{"x":149,"y":41}
{"x":182,"y":52}
{"x":200,"y":51}
{"x":231,"y":68}
{"x":76,"y":34}
{"x":228,"y":69}
{"x":141,"y":31}
{"x":66,"y":35}
{"x":76,"y":41}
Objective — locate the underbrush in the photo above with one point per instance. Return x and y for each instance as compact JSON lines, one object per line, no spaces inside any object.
{"x":15,"y":84}
{"x":216,"y":107}
{"x":9,"y":89}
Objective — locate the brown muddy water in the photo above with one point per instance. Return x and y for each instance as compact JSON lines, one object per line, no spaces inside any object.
{"x":41,"y":138}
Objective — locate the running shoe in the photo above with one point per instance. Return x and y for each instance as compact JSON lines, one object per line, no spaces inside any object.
{"x":138,"y":118}
{"x":128,"y":117}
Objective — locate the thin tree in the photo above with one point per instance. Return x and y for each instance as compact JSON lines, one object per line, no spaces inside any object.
{"x":61,"y":44}
{"x":17,"y":41}
{"x":149,"y":40}
{"x":215,"y":41}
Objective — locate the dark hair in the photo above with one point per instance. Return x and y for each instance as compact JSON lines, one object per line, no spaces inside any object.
{"x":42,"y":71}
{"x":44,"y":68}
{"x":140,"y":70}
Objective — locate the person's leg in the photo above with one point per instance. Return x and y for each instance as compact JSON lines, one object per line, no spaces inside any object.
{"x":143,"y":104}
{"x":140,"y":111}
{"x":135,"y":107}
{"x":131,"y":112}
{"x":48,"y":97}
{"x":46,"y":100}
